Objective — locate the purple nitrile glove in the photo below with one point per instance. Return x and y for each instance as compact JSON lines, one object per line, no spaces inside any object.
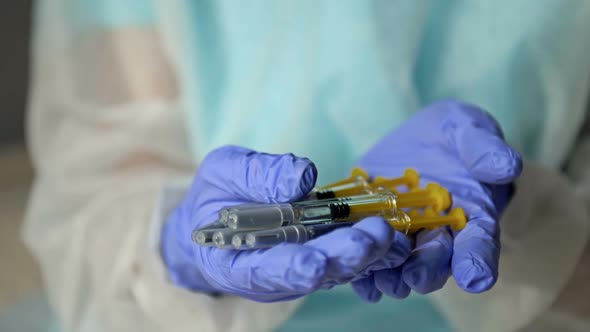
{"x":462,"y":148}
{"x":233,"y":175}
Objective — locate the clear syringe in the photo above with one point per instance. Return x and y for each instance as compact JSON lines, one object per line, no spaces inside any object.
{"x":204,"y":235}
{"x":222,"y":238}
{"x":301,"y":233}
{"x":225,"y":212}
{"x":276,"y":215}
{"x":289,"y":234}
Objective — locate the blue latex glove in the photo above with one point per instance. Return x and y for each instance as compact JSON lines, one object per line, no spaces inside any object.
{"x":462,"y":148}
{"x":234,"y":175}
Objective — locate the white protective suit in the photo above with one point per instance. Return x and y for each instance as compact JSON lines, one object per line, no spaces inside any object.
{"x":107,"y":135}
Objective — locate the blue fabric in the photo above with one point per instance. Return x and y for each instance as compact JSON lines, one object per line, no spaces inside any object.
{"x":327,"y":79}
{"x":319,"y":111}
{"x":86,"y":14}
{"x":341,"y":310}
{"x":30,"y":314}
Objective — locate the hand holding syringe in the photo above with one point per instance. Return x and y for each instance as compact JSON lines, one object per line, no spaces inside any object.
{"x":252,"y":226}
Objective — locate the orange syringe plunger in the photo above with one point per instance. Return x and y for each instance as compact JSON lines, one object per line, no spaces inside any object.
{"x":456,"y":219}
{"x":434,"y":196}
{"x":410,"y":179}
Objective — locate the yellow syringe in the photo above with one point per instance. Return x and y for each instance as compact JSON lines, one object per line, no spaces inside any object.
{"x":358,"y":183}
{"x":413,"y":222}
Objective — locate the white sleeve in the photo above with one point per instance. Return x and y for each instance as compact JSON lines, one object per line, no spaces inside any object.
{"x":106,"y":136}
{"x":545,"y":231}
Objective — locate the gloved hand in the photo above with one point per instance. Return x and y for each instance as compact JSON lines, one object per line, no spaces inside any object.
{"x":234,"y":175}
{"x":462,"y":148}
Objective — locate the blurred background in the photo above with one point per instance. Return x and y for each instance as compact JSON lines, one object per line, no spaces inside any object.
{"x":20,"y":281}
{"x":22,"y":303}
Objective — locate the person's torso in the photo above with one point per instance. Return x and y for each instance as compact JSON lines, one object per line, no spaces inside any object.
{"x":328,"y":79}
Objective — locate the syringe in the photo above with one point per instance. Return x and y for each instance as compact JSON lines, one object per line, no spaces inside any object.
{"x":456,"y":219}
{"x":410,"y":179}
{"x":382,"y":202}
{"x":358,"y":184}
{"x":222,"y":238}
{"x":290,"y":234}
{"x":204,"y":236}
{"x":276,"y":215}
{"x":225,"y":212}
{"x":301,"y":233}
{"x":434,"y":196}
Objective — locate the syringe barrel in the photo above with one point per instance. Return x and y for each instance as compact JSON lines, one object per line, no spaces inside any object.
{"x":290,"y":234}
{"x":272,"y":237}
{"x":357,"y":186}
{"x":238,"y":241}
{"x":223,"y":238}
{"x":203,"y":236}
{"x":264,"y":217}
{"x":226,"y":211}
